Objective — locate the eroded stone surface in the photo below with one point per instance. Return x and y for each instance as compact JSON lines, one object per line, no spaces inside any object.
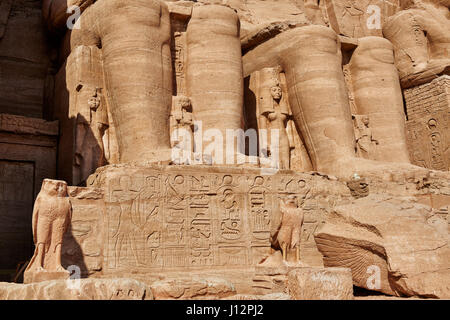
{"x":83,"y":289}
{"x":320,"y":284}
{"x":192,"y":288}
{"x":389,"y":245}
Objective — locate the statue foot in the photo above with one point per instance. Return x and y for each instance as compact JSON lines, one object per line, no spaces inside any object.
{"x":347,"y":169}
{"x":61,"y":269}
{"x":163,"y":156}
{"x":39,"y":269}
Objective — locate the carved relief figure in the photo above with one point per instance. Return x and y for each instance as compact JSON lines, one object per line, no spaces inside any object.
{"x":94,"y":143}
{"x":89,"y":145}
{"x":290,"y":232}
{"x":352,"y":18}
{"x":274,"y":114}
{"x":182,"y":127}
{"x":136,"y":222}
{"x":364,"y":138}
{"x":51,"y":217}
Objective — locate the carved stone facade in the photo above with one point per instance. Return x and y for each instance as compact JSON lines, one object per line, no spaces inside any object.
{"x":428,"y":108}
{"x":178,"y":219}
{"x":225,"y":148}
{"x":361,"y":18}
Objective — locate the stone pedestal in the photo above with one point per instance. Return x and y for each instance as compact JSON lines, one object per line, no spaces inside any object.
{"x":161,"y":222}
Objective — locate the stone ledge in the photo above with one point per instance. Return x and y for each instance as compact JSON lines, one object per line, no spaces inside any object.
{"x":25,"y":125}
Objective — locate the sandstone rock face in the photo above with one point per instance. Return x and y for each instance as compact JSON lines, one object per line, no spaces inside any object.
{"x":320,"y":284}
{"x":389,"y":246}
{"x":85,"y":289}
{"x":24,"y":58}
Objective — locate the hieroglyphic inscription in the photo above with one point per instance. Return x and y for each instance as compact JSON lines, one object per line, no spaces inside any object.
{"x":179,"y":219}
{"x":428,"y":137}
{"x":178,"y":58}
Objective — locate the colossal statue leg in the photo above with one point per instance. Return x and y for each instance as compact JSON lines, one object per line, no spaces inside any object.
{"x":214,"y":68}
{"x":421,"y":39}
{"x":135,"y":42}
{"x":311,"y":59}
{"x":318,"y":97}
{"x":378,"y":95}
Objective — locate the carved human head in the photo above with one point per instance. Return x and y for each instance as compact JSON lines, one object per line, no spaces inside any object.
{"x":276,"y":91}
{"x":365,"y":120}
{"x":94,"y":100}
{"x":55,"y":187}
{"x":185,"y":103}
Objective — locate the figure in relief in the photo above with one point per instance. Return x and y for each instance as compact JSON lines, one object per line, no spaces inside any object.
{"x":89,"y":145}
{"x":275,"y":115}
{"x":51,"y":217}
{"x":364,"y":137}
{"x":290,"y":232}
{"x":137,"y":223}
{"x":182,"y":128}
{"x":352,"y":18}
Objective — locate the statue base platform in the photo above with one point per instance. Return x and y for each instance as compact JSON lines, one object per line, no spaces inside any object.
{"x":39,"y":276}
{"x":160,"y":222}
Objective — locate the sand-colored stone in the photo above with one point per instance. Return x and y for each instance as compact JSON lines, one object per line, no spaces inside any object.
{"x":421,"y":38}
{"x":320,"y":284}
{"x":428,"y":136}
{"x":84,"y":289}
{"x":389,"y":246}
{"x":192,"y":288}
{"x":51,"y":216}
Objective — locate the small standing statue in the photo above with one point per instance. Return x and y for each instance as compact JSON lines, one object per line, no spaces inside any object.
{"x":51,"y":216}
{"x":276,"y":114}
{"x":90,"y":149}
{"x":290,"y":232}
{"x":364,"y":137}
{"x":182,"y":127}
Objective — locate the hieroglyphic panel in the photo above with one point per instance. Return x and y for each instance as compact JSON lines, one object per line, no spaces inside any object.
{"x":178,"y":58}
{"x":428,"y":134}
{"x":170,"y":219}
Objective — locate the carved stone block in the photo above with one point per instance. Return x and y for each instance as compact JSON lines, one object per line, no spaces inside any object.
{"x":428,"y":109}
